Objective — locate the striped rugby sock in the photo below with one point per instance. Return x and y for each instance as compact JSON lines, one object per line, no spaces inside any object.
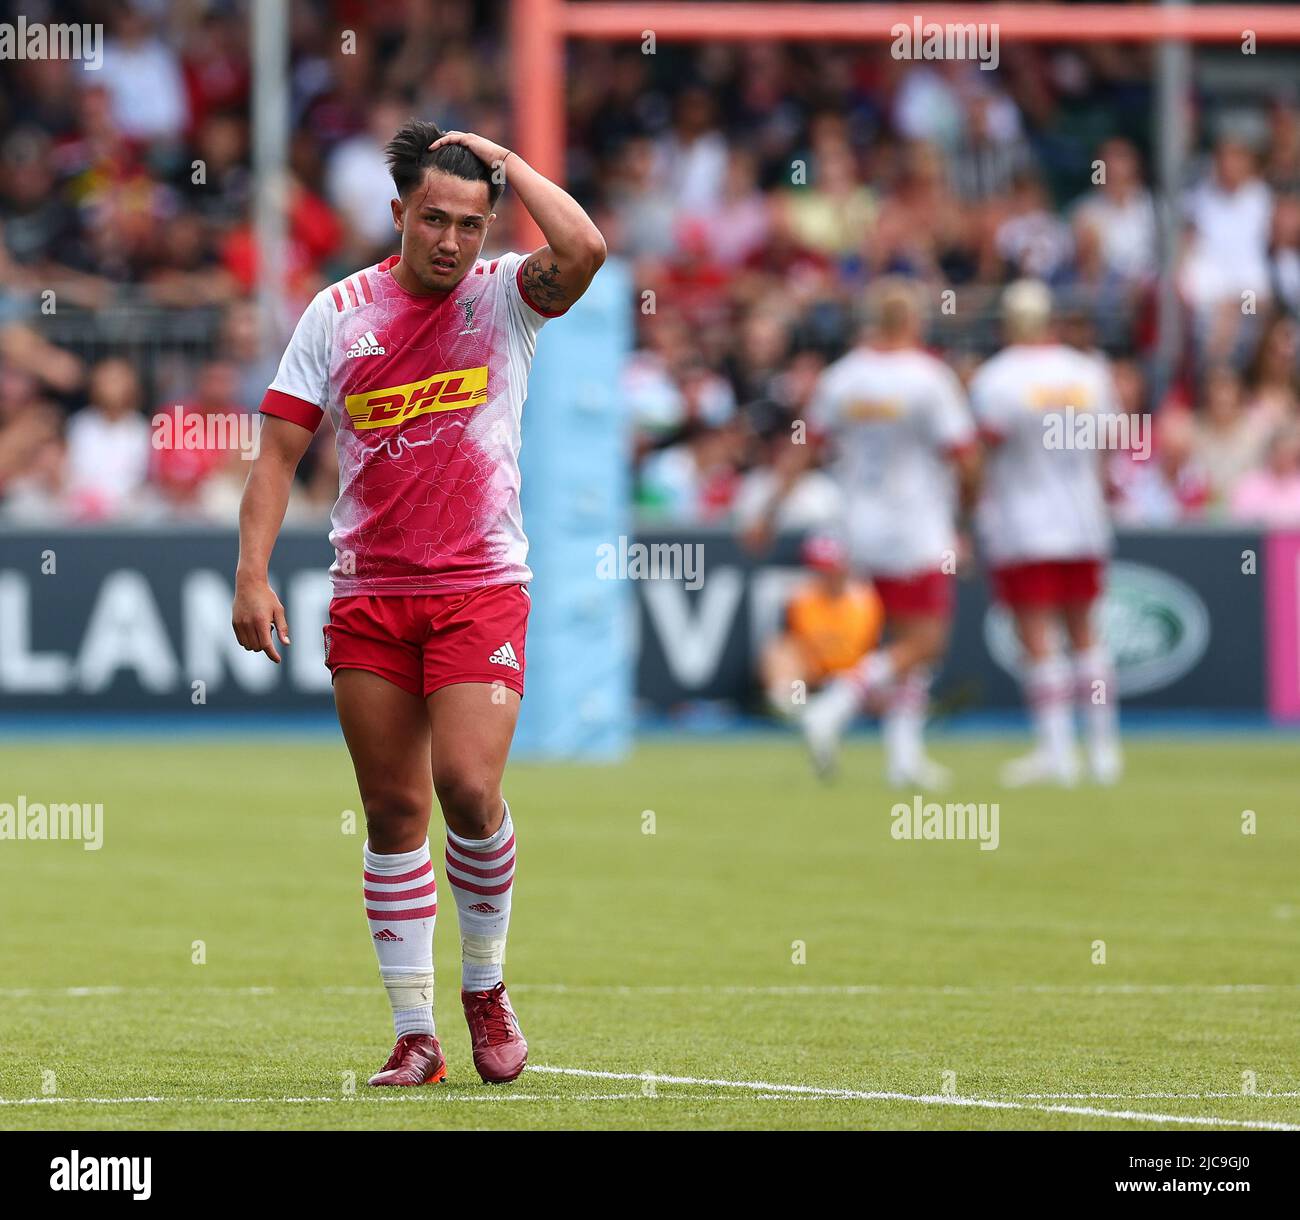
{"x":482,"y":876}
{"x":401,"y":903}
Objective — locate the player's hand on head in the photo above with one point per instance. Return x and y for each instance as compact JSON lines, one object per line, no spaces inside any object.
{"x":257,"y":617}
{"x":482,"y":148}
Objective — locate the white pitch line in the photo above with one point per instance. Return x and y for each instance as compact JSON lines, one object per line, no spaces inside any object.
{"x":1138,"y":1096}
{"x":762,"y":1091}
{"x":933,"y":1099}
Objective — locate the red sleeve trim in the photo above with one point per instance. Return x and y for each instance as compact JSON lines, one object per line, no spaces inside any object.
{"x":519,"y":281}
{"x":295,"y":410}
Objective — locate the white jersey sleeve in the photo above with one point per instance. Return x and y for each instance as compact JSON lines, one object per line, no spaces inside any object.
{"x":304,"y":369}
{"x":530,"y":315}
{"x":994,"y":411}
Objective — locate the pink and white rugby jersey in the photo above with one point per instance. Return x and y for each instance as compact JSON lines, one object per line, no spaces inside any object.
{"x":426,"y":395}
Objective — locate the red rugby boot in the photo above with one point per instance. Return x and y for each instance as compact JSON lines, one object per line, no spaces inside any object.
{"x":500,"y":1051}
{"x":416,"y":1059}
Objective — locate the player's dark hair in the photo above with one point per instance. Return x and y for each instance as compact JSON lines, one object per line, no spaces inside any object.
{"x":409,"y":156}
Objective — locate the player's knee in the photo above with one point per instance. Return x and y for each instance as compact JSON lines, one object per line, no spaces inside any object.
{"x":393,"y":805}
{"x":470,"y":800}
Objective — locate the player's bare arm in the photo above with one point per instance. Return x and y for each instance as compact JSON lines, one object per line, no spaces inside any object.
{"x":557,"y":274}
{"x":257,"y":609}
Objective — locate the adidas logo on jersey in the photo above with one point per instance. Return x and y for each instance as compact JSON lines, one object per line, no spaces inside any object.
{"x":505,"y":655}
{"x":386,"y":934}
{"x":367,"y":345}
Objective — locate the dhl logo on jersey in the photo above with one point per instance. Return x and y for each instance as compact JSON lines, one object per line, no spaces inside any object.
{"x":873,"y":408}
{"x":1060,"y":397}
{"x":399,"y":404}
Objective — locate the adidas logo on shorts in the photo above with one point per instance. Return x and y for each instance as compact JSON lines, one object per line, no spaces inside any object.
{"x":367,"y":345}
{"x":505,"y":655}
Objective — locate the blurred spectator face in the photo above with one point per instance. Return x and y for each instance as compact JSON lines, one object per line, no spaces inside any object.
{"x":742,"y":174}
{"x":27,"y":175}
{"x":1175,"y":439}
{"x":694,"y":113}
{"x":763,"y":340}
{"x":1278,"y":351}
{"x":217,"y":387}
{"x":1284,"y":454}
{"x":837,"y":171}
{"x":924,"y":166}
{"x":17,"y":391}
{"x":243,"y":331}
{"x":1222,"y":397}
{"x":1234,"y":164}
{"x":636,"y":164}
{"x":1122,"y":169}
{"x":114,"y":388}
{"x":221,"y":141}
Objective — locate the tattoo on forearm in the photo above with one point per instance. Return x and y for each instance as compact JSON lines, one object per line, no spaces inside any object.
{"x":542,"y":284}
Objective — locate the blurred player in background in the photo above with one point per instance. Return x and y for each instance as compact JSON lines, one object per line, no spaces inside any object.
{"x":422,"y":361}
{"x":1044,"y":529}
{"x":831,"y":622}
{"x":906,"y":460}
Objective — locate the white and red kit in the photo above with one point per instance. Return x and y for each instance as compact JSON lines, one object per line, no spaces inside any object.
{"x":426,"y":395}
{"x":1042,"y":514}
{"x":896,"y":418}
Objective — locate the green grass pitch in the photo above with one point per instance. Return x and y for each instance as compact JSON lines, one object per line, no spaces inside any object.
{"x":769,"y":957}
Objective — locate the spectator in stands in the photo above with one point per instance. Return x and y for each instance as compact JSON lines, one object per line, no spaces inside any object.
{"x":1229,"y":216}
{"x":1271,"y":379}
{"x":691,"y":159}
{"x":1119,"y":214}
{"x":1270,"y":494}
{"x":198,"y":473}
{"x":695,"y":480}
{"x":358,"y":184}
{"x":29,"y":423}
{"x":1284,"y":254}
{"x":1228,"y":441}
{"x":108,"y":445}
{"x":788,"y":475}
{"x":143,"y":76}
{"x":1169,"y":487}
{"x":1033,"y":241}
{"x":832,"y":213}
{"x":739,"y":225}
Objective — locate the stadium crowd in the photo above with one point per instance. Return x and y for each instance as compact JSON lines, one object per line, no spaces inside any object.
{"x":756,"y":189}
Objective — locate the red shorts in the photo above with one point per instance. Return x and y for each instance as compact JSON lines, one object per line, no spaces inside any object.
{"x":430,"y":640}
{"x":1048,"y":584}
{"x":927,"y":594}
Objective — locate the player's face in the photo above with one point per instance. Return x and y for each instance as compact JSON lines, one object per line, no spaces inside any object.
{"x":443,"y":226}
